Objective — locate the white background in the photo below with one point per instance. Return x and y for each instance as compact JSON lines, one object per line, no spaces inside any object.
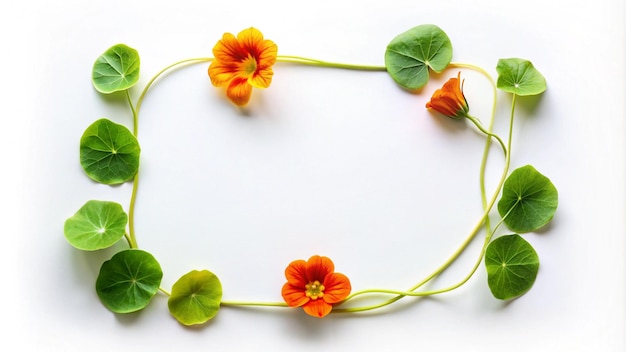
{"x":330,"y":162}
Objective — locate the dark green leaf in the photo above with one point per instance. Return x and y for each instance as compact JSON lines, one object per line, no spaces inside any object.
{"x":529,"y":200}
{"x":109,"y":153}
{"x":512,"y":266}
{"x":128,"y":281}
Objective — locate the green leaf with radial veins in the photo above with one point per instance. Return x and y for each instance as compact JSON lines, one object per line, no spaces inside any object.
{"x":529,"y":200}
{"x":117,"y":69}
{"x":195,"y":297}
{"x":410,"y":54}
{"x":128,"y":281}
{"x":520,"y":77}
{"x":109,"y":153}
{"x":96,"y":225}
{"x":512,"y":266}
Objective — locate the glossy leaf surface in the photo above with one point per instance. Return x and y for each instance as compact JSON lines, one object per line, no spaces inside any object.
{"x":512,"y":266}
{"x":109,"y":153}
{"x":128,"y":281}
{"x":529,"y":200}
{"x":96,"y":225}
{"x":116,"y":69}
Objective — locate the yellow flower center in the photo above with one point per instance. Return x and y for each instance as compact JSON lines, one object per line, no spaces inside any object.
{"x":314,"y":290}
{"x":248,"y":66}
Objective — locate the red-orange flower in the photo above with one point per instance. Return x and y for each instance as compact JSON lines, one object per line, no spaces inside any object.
{"x":314,"y":286}
{"x":450,"y":100}
{"x":241,"y":63}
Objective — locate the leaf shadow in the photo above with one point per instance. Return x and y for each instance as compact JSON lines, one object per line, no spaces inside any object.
{"x":115,"y":99}
{"x":528,"y":104}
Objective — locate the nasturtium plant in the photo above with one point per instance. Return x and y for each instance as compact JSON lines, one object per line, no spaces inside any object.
{"x":109,"y":152}
{"x":529,"y":200}
{"x":512,"y":266}
{"x":128,"y":281}
{"x":410,"y":55}
{"x":96,"y":225}
{"x":116,"y":69}
{"x":520,"y":77}
{"x":195,"y":297}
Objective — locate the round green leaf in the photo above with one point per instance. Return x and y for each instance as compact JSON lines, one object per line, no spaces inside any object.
{"x":195,"y":297}
{"x":520,"y":77}
{"x":96,"y":225}
{"x":529,"y":200}
{"x":512,"y":266}
{"x":410,"y":54}
{"x":128,"y":281}
{"x":117,"y":69}
{"x":109,"y":153}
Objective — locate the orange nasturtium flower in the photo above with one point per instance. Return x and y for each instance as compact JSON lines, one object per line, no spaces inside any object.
{"x":450,"y":100}
{"x":241,"y":63}
{"x":314,"y":286}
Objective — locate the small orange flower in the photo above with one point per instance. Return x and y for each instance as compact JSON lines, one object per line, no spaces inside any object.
{"x":314,"y":286}
{"x":242,"y":63}
{"x":450,"y":100}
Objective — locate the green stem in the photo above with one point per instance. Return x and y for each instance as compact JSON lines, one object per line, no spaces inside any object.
{"x":473,"y":233}
{"x":258,"y":304}
{"x":320,"y":63}
{"x":483,"y":163}
{"x":167,"y":68}
{"x":132,"y":240}
{"x":488,"y":134}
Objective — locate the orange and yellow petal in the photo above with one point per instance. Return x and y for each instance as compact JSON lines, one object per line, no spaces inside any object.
{"x":239,"y":91}
{"x":296,"y":274}
{"x":317,"y":268}
{"x":317,"y":308}
{"x":229,"y":50}
{"x":261,"y":79}
{"x":241,"y":63}
{"x":294,"y":296}
{"x":450,"y":100}
{"x":221,"y":74}
{"x":337,"y":288}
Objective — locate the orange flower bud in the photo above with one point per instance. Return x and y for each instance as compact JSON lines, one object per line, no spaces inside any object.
{"x":450,"y":100}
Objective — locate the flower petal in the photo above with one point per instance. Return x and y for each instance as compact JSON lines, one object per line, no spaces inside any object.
{"x":267,"y":54}
{"x":294,"y":296}
{"x":221,"y":74}
{"x":296,"y":274}
{"x":317,"y":308}
{"x":318,"y":267}
{"x":450,"y":100}
{"x":239,"y":91}
{"x":337,"y":288}
{"x":250,"y":39}
{"x":229,"y":50}
{"x":262,"y":78}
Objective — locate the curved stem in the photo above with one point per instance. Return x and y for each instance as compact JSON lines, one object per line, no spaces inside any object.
{"x":320,"y":63}
{"x":473,"y":233}
{"x":488,"y":134}
{"x":132,"y":239}
{"x":167,"y":68}
{"x":258,"y":304}
{"x":483,"y":163}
